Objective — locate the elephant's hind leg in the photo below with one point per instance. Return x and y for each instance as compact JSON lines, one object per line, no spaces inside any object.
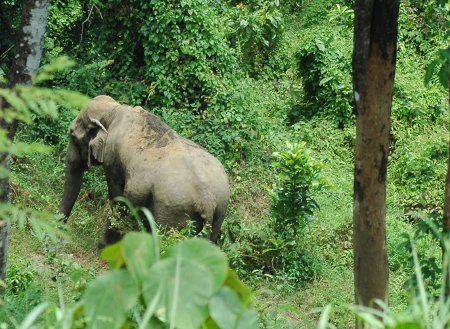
{"x":217,"y":221}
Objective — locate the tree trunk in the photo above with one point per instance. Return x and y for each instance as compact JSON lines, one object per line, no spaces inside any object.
{"x":374,"y":58}
{"x":28,"y":51}
{"x":446,"y":219}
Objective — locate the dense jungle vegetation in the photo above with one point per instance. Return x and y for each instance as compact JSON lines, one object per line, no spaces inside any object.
{"x":266,"y":87}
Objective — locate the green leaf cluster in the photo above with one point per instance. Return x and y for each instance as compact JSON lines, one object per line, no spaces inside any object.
{"x":422,"y":25}
{"x":293,"y":195}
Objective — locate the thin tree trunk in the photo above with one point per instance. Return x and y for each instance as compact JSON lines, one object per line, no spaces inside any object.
{"x":29,"y":44}
{"x":374,"y":58}
{"x":446,"y":219}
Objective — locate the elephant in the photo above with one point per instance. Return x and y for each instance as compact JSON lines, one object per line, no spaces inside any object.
{"x":148,"y":163}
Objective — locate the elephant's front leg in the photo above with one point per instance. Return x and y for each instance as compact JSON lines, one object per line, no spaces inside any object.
{"x":115,"y":189}
{"x":115,"y":182}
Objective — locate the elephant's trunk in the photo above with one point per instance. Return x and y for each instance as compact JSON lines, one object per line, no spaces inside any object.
{"x":73,"y":179}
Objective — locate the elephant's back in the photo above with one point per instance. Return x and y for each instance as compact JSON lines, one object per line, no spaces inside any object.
{"x":184,"y":172}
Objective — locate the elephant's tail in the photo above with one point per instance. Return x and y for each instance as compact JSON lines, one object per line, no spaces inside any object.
{"x":205,"y":212}
{"x":217,"y":220}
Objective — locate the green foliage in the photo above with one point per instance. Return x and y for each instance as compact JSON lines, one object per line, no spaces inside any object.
{"x":441,"y":62}
{"x":23,"y":102}
{"x":187,"y":57}
{"x":19,"y":278}
{"x":422,"y":25}
{"x":60,"y":23}
{"x":327,"y":88}
{"x":293,"y":196}
{"x":415,"y":104}
{"x":278,"y":248}
{"x":256,"y":28}
{"x":179,"y":48}
{"x":419,"y":172}
{"x":342,"y":15}
{"x":10,"y":14}
{"x":293,"y":201}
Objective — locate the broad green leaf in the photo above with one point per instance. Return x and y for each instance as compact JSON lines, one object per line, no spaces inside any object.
{"x":228,"y":311}
{"x":156,"y":324}
{"x":186,"y":287}
{"x":68,"y":315}
{"x":138,"y":249}
{"x":235,"y":284}
{"x":108,"y":299}
{"x":113,"y":255}
{"x":445,"y":54}
{"x":207,"y":254}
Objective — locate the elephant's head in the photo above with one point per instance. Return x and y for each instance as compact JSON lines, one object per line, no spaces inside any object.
{"x":88,"y":133}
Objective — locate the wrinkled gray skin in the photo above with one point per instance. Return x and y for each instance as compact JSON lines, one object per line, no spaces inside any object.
{"x":147,"y":162}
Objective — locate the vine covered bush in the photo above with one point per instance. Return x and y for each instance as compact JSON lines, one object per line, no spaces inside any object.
{"x":256,"y":30}
{"x":178,"y":49}
{"x":175,"y":59}
{"x":327,"y":82}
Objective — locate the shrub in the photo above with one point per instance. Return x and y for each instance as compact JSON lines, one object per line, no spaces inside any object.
{"x":327,"y":87}
{"x":188,"y":60}
{"x":278,"y":248}
{"x":292,"y":205}
{"x":422,"y":25}
{"x":293,"y":196}
{"x":61,"y":24}
{"x":178,"y":49}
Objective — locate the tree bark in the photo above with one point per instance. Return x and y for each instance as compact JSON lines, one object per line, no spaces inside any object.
{"x":374,"y":58}
{"x":26,"y":62}
{"x":446,"y":219}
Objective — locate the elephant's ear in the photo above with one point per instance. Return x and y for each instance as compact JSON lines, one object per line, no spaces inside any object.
{"x":97,"y":144}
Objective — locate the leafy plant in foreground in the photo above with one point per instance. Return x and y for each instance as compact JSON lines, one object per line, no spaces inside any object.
{"x":22,"y":103}
{"x":189,"y":286}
